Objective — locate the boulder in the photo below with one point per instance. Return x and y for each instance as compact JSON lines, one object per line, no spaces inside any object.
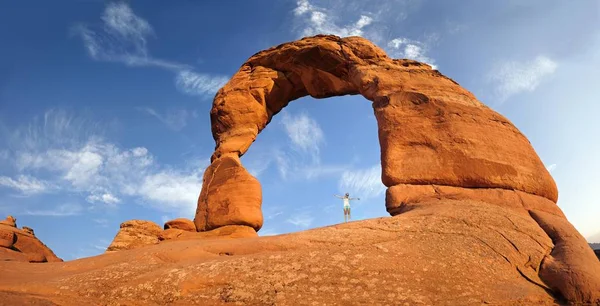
{"x":182,"y":224}
{"x":134,"y":234}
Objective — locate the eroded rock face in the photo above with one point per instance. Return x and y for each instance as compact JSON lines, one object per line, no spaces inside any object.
{"x":134,"y":234}
{"x":10,"y":221}
{"x":437,"y":142}
{"x":20,"y":245}
{"x":182,"y":224}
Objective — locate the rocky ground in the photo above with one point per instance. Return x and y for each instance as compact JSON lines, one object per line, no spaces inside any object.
{"x":432,"y":254}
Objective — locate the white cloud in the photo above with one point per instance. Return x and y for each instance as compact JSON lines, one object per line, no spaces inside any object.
{"x":318,"y":21}
{"x":363,"y":183}
{"x":513,"y":77}
{"x":105,"y":173}
{"x":101,"y":222}
{"x":63,"y":210}
{"x":325,"y":20}
{"x":303,"y":220}
{"x":410,"y":49}
{"x":173,"y":119}
{"x":304,"y":133}
{"x":106,"y":198}
{"x":26,"y":184}
{"x":193,"y":83}
{"x":123,"y":38}
{"x":551,"y":167}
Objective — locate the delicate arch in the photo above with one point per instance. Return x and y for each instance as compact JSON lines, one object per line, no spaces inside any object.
{"x":431,"y":130}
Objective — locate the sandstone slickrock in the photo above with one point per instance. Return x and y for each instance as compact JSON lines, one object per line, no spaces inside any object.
{"x":134,"y":234}
{"x":181,"y":223}
{"x":434,"y":254}
{"x":437,"y":142}
{"x":20,"y":245}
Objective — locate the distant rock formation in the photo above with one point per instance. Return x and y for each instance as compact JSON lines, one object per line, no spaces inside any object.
{"x":22,"y":245}
{"x":10,"y":221}
{"x":134,"y":234}
{"x":437,"y":142}
{"x":182,"y":224}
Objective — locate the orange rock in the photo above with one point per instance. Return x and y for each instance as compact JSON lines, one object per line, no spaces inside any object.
{"x":182,"y":224}
{"x":227,"y":231}
{"x":28,"y":230}
{"x":7,"y":237}
{"x":134,"y":234}
{"x":438,"y":142}
{"x":10,"y":221}
{"x":572,"y":267}
{"x":399,"y":198}
{"x":230,"y":196}
{"x":434,"y":254}
{"x":27,"y":246}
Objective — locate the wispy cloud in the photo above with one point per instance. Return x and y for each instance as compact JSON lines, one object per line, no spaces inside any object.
{"x":123,"y":37}
{"x":104,"y":172}
{"x":318,"y":21}
{"x":551,"y":167}
{"x":514,"y":77}
{"x":106,"y":198}
{"x":410,"y":49}
{"x":63,"y":210}
{"x":304,"y":133}
{"x":364,"y":183}
{"x":26,"y":184}
{"x":194,"y":83}
{"x":303,"y":220}
{"x":329,"y":19}
{"x":174,"y":119}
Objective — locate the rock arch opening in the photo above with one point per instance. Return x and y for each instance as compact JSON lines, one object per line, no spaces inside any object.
{"x":310,"y":151}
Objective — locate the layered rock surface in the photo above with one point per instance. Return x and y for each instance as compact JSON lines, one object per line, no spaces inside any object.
{"x":433,"y":254}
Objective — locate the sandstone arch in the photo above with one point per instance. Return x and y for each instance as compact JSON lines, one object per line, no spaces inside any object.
{"x":437,"y":142}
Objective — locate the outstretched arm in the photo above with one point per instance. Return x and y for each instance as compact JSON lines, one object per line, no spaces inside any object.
{"x":337,"y":196}
{"x":354,"y":199}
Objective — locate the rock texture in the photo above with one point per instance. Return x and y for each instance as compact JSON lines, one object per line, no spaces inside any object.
{"x":438,"y":142}
{"x":434,"y":254}
{"x":20,"y":245}
{"x":228,"y":231}
{"x":182,"y":224}
{"x":134,"y":234}
{"x":10,"y":221}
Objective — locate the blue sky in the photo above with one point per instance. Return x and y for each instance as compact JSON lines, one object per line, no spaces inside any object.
{"x":104,"y":106}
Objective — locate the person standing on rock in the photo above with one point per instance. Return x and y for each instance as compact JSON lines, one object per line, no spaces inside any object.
{"x":347,"y":200}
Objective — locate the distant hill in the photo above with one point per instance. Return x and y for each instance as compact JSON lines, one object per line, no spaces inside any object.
{"x":595,"y":246}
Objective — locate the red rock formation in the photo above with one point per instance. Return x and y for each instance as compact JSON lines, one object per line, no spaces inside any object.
{"x":182,"y":224}
{"x":437,"y":142}
{"x":134,"y":234}
{"x":10,"y":221}
{"x":20,"y":245}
